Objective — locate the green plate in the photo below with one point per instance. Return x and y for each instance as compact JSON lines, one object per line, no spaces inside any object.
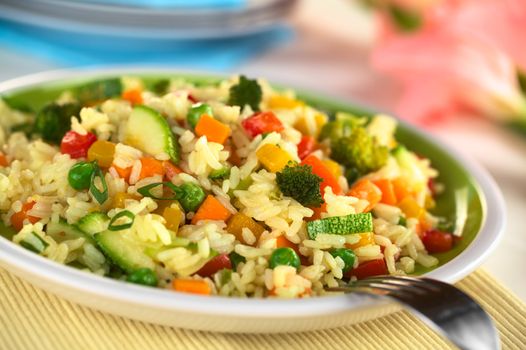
{"x":452,"y":173}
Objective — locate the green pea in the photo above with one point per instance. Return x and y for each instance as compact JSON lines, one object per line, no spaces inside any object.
{"x":402,"y":221}
{"x":284,"y":256}
{"x":236,"y":259}
{"x":192,"y":196}
{"x":347,"y":255}
{"x":195,"y":113}
{"x":79,"y":176}
{"x":143,"y":276}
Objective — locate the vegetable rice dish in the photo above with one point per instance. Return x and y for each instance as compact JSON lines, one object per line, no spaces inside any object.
{"x":230,"y":188}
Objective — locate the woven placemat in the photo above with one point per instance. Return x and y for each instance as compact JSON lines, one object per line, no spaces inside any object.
{"x":33,"y":319}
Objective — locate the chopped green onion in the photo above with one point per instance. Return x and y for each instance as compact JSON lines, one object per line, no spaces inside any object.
{"x":100,"y":196}
{"x":146,"y":191}
{"x":124,"y":213}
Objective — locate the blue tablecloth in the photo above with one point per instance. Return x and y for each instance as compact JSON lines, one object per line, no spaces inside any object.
{"x":81,"y":49}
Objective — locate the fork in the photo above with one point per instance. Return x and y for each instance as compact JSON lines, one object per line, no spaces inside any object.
{"x":443,"y":307}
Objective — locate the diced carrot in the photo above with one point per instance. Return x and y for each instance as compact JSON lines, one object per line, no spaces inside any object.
{"x":191,"y":286}
{"x":322,"y":171}
{"x":134,"y":96}
{"x":214,"y":130}
{"x":388,"y":193}
{"x":18,"y":218}
{"x":151,"y":167}
{"x":3,"y":160}
{"x":211,"y":209}
{"x":401,"y":189}
{"x":124,"y":173}
{"x":170,"y":169}
{"x":365,"y":189}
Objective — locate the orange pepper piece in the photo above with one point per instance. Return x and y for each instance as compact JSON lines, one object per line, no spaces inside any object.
{"x":134,"y":96}
{"x":214,"y":130}
{"x":151,"y":167}
{"x":211,"y":209}
{"x":18,"y":218}
{"x":365,"y":189}
{"x":388,"y":193}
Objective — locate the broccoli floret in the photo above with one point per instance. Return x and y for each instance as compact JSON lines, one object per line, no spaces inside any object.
{"x":160,"y":87}
{"x":359,"y":151}
{"x":246,"y":92}
{"x":54,"y":120}
{"x":98,"y":91}
{"x":341,"y":127}
{"x":300,"y":183}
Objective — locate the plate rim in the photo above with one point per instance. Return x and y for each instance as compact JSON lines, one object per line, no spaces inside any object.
{"x":488,"y":237}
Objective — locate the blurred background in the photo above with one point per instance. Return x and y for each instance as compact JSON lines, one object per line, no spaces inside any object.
{"x":434,"y":62}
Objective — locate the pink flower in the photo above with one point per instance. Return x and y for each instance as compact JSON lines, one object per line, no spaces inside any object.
{"x":464,"y":55}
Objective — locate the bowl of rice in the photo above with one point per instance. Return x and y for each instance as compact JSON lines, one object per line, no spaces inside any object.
{"x":226,"y":203}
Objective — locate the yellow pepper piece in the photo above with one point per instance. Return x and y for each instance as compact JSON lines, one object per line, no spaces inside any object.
{"x":366,"y":238}
{"x":312,"y":129}
{"x":283,"y":102}
{"x":103,"y":152}
{"x":430,"y":202}
{"x":119,"y":199}
{"x":272,"y":157}
{"x":410,"y":208}
{"x":163,"y":204}
{"x":238,"y":221}
{"x":172,"y":215}
{"x":333,"y":167}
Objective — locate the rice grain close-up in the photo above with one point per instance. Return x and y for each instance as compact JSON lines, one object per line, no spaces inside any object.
{"x":231,"y":188}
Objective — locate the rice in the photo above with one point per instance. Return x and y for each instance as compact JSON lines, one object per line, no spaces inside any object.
{"x":37,"y":196}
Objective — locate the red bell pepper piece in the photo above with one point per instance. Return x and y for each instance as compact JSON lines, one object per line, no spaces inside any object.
{"x":217,"y":263}
{"x":261,"y":123}
{"x":306,"y":146}
{"x":368,"y":269}
{"x":437,"y":242}
{"x":77,"y":145}
{"x":192,"y":99}
{"x":320,"y":169}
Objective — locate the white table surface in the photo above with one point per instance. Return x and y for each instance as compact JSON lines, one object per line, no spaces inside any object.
{"x":329,"y":54}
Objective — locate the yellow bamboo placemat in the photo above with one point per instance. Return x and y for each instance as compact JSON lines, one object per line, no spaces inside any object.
{"x":33,"y":319}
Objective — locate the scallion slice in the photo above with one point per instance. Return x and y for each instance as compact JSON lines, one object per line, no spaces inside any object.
{"x":146,"y":191}
{"x":124,"y":213}
{"x":100,"y":195}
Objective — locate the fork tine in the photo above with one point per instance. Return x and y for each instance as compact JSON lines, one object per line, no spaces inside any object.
{"x":393,"y":286}
{"x":382,"y":289}
{"x":413,"y":282}
{"x":442,"y":306}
